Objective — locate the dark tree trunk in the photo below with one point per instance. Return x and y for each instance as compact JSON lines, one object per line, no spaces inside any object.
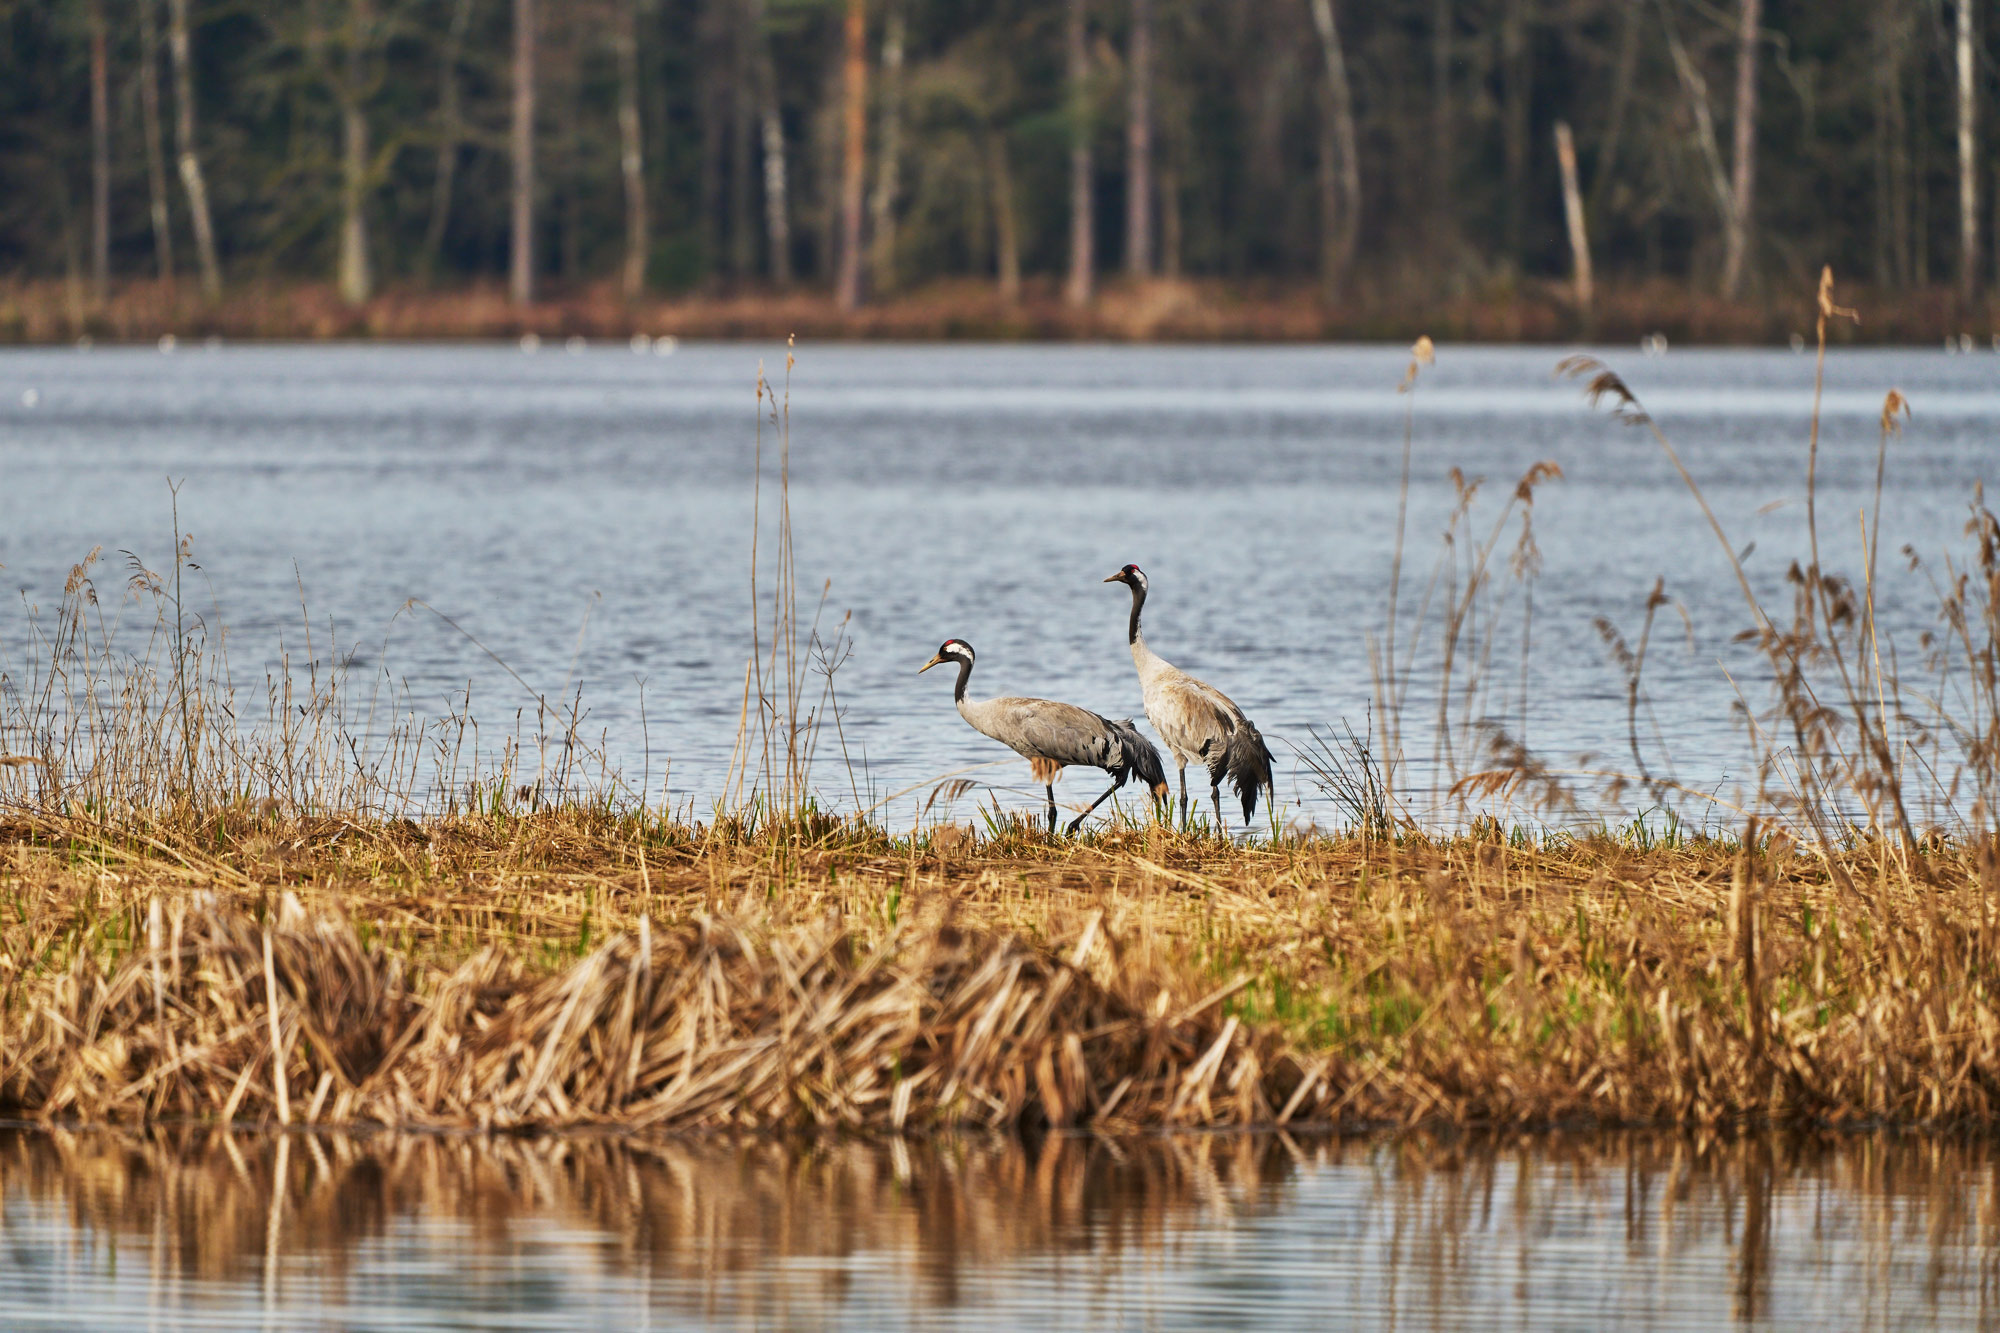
{"x":1139,"y":145}
{"x":451,"y":133}
{"x":631,"y":150}
{"x":1743,"y":176}
{"x":521,"y":258}
{"x":854,"y":155}
{"x":889,"y":155}
{"x":100,"y":157}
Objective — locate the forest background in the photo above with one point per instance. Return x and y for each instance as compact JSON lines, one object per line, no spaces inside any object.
{"x":1499,"y":169}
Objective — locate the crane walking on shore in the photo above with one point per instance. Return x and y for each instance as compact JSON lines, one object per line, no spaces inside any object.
{"x":1054,"y":736}
{"x":1197,"y":721}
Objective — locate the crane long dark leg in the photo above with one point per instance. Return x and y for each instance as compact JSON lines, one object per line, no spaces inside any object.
{"x":1183,"y":795}
{"x":1215,"y":799}
{"x":1051,"y":790}
{"x":1077,"y":823}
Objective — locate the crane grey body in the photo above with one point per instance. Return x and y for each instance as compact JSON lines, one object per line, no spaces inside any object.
{"x":1053,"y":736}
{"x":1199,"y":723}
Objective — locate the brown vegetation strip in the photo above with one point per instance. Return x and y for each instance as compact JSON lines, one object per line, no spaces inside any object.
{"x":534,"y":972}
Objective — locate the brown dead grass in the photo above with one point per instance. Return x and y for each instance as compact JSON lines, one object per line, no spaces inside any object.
{"x":570,"y":969}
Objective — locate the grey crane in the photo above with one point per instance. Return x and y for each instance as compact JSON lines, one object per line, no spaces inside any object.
{"x":1054,"y":736}
{"x":1197,"y":721}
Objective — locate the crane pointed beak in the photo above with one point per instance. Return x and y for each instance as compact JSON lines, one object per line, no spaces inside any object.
{"x":935,"y":659}
{"x":1119,"y":577}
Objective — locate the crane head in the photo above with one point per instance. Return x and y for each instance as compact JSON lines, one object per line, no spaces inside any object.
{"x":951,"y":650}
{"x":1130,"y":576}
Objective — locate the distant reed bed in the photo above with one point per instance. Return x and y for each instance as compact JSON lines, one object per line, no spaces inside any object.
{"x":329,"y":909}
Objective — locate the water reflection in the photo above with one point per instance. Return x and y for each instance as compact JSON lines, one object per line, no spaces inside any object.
{"x":211,"y":1230}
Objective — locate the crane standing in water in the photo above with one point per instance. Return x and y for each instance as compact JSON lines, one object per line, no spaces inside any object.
{"x":1055,"y":735}
{"x":1197,"y":721}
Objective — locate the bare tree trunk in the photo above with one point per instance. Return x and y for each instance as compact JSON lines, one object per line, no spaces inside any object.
{"x":1170,"y":219}
{"x":190,"y":162}
{"x":1968,"y":185}
{"x":521,"y":266}
{"x":1695,"y":88}
{"x":355,"y":281}
{"x":1743,"y":183}
{"x":1517,"y":80}
{"x":1006,"y":237}
{"x":1579,"y":238}
{"x":631,"y":152}
{"x":854,"y":156}
{"x":100,"y":156}
{"x":1139,"y":145}
{"x":1082,"y":204}
{"x":451,"y":133}
{"x":156,"y":157}
{"x":888,"y":164}
{"x":1344,"y":227}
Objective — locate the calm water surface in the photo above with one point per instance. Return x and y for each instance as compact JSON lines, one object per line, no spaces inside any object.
{"x":976,"y":492}
{"x":208,"y":1231}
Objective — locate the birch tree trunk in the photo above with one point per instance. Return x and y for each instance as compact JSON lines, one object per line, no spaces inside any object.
{"x":1343,"y":229}
{"x":451,"y":133}
{"x":1743,"y":182}
{"x":854,"y":156}
{"x":521,"y":261}
{"x":631,"y":149}
{"x":777,"y":178}
{"x":1082,"y":210}
{"x":888,"y":163}
{"x":192,"y":179}
{"x":100,"y":157}
{"x":1579,"y":238}
{"x":1139,"y":144}
{"x":156,"y":157}
{"x":1968,"y":184}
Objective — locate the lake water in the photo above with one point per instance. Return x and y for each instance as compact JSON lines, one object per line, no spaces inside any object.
{"x":207,"y":1231}
{"x":963,"y":491}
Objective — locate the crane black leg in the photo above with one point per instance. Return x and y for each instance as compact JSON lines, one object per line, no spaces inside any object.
{"x":1183,"y":795}
{"x":1215,"y":799}
{"x":1051,"y":790}
{"x":1077,"y":823}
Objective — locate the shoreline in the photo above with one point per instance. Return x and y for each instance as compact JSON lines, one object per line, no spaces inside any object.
{"x":53,"y":313}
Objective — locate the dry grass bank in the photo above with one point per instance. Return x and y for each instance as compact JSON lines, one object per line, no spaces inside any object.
{"x":567,"y":969}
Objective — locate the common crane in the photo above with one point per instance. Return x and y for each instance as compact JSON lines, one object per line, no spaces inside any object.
{"x":1055,"y":735}
{"x":1197,"y":721}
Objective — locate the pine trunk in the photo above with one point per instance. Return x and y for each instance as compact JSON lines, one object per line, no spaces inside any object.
{"x":355,"y":280}
{"x":854,"y":155}
{"x":192,"y":180}
{"x":1743,"y":181}
{"x":1006,"y":239}
{"x":777,"y":187}
{"x":1968,"y":184}
{"x":156,"y":156}
{"x":1082,"y":212}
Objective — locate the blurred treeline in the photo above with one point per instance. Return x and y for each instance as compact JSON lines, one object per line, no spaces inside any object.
{"x":704,"y":144}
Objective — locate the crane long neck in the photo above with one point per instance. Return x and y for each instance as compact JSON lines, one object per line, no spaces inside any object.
{"x":1138,"y":605}
{"x":964,"y":674}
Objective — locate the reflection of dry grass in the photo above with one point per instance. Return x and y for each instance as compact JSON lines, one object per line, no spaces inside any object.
{"x":568,"y":968}
{"x":711,"y":1223}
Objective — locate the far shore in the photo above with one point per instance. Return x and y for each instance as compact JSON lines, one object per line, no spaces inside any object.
{"x":53,"y":311}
